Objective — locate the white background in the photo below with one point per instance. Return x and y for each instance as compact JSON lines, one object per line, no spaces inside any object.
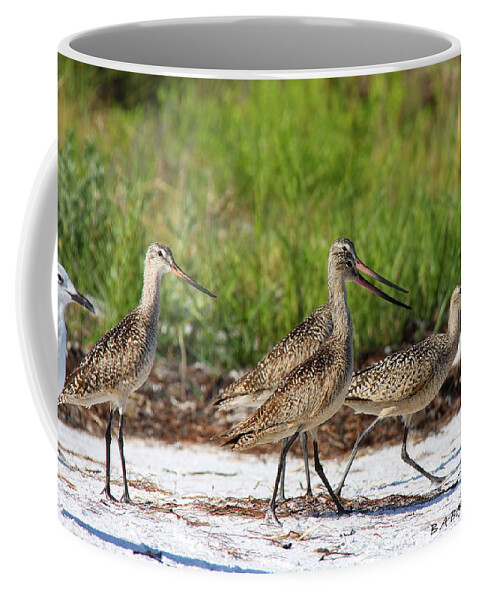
{"x":39,"y":555}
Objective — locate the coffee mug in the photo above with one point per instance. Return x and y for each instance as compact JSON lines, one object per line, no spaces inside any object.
{"x":272,"y":417}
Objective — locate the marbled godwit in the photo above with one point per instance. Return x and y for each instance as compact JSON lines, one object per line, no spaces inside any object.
{"x":67,"y":293}
{"x":258,"y":384}
{"x":406,"y":382}
{"x":122,"y":360}
{"x":314,"y":390}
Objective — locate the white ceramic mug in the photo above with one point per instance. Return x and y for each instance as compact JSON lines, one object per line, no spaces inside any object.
{"x":252,"y":50}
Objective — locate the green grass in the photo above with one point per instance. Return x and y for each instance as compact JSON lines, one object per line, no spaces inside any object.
{"x":249,"y":183}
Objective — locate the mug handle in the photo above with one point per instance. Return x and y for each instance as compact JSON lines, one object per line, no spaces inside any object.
{"x":35,"y":319}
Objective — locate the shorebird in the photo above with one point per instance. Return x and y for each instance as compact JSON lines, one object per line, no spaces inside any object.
{"x":122,"y":360}
{"x":67,"y":293}
{"x":253,"y":388}
{"x":314,"y":390}
{"x":406,"y":382}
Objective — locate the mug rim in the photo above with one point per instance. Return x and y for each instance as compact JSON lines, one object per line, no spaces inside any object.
{"x":65,"y":48}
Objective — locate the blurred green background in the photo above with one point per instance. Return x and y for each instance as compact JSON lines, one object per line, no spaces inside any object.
{"x":249,"y":183}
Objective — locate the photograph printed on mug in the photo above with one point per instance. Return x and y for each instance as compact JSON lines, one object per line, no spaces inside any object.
{"x":266,"y":415}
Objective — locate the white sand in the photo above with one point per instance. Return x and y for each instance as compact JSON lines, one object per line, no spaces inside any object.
{"x":172,"y":521}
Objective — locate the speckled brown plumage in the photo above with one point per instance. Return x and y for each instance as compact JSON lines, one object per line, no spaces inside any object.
{"x":405,"y":383}
{"x":122,"y":360}
{"x":314,"y":390}
{"x":253,"y":388}
{"x":259,"y":383}
{"x":118,"y":364}
{"x":312,"y":393}
{"x":302,"y":342}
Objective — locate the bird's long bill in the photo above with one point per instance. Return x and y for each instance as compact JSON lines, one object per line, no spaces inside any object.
{"x":179,"y":273}
{"x":365,"y":269}
{"x":77,"y":297}
{"x":369,"y":286}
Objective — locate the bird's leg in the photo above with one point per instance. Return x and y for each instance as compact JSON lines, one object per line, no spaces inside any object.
{"x":126,"y":496}
{"x":407,"y":459}
{"x":319,"y":470}
{"x":304,"y":445}
{"x":359,"y":441}
{"x":281,"y":496}
{"x":271,"y":512}
{"x":106,"y":489}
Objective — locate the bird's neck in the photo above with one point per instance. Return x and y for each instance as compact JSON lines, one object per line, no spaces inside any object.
{"x":62,"y":328}
{"x":338,"y":301}
{"x":61,"y":347}
{"x":61,"y":315}
{"x":150,"y":296}
{"x":454,"y":324}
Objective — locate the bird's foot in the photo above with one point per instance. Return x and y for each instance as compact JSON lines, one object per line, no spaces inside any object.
{"x":108,"y":495}
{"x":270,"y":517}
{"x":125,"y":499}
{"x":341,"y":510}
{"x":436,"y":479}
{"x":309,"y":493}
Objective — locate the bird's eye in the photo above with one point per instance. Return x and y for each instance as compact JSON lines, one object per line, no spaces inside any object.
{"x":349,"y":264}
{"x":345,"y":249}
{"x":60,"y":279}
{"x":160,"y":253}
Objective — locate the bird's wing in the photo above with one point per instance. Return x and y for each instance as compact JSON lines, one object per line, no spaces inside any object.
{"x":399,"y":375}
{"x":111,"y":364}
{"x":288,"y":353}
{"x":302,"y":395}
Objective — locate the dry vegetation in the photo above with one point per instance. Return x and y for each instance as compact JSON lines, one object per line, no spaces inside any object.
{"x":176,"y":405}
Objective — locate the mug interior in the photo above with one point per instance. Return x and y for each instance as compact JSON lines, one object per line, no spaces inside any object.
{"x":267,"y":44}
